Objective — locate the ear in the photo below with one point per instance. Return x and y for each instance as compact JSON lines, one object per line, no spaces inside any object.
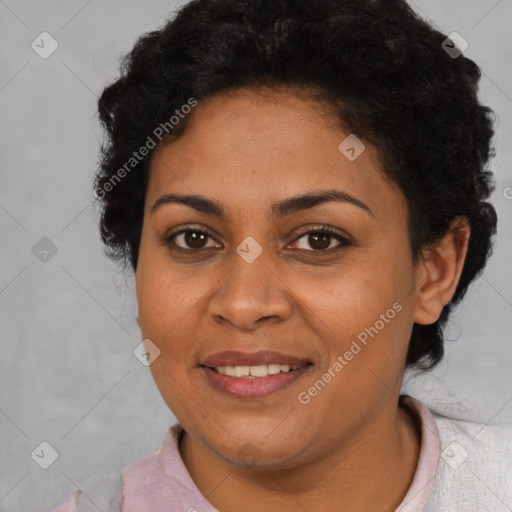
{"x":438,"y":272}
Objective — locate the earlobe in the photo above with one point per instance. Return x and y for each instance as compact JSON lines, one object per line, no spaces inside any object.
{"x":438,"y":272}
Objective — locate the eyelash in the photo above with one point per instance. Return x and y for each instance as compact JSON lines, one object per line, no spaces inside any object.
{"x":324,"y":230}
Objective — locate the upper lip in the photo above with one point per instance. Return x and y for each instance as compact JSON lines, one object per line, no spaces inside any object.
{"x":237,"y":358}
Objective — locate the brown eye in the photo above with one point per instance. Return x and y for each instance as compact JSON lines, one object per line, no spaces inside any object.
{"x":321,"y":240}
{"x":194,"y":239}
{"x":190,"y":239}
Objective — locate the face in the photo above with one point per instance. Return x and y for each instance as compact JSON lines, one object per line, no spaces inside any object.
{"x":318,"y":291}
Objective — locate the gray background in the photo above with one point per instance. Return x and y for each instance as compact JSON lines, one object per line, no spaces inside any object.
{"x":68,"y":375}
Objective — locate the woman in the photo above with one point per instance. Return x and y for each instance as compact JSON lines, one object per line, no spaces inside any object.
{"x":300,"y":189}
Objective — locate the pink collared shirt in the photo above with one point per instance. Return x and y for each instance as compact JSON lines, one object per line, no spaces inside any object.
{"x":160,"y":481}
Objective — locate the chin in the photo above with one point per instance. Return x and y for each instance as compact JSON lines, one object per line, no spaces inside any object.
{"x":255,"y":450}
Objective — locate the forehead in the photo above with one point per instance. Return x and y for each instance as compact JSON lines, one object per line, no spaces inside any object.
{"x":248,"y":147}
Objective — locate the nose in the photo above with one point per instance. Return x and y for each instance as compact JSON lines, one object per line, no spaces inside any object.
{"x":250,"y":295}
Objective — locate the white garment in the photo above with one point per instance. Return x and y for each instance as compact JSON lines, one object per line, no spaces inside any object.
{"x":475,"y":469}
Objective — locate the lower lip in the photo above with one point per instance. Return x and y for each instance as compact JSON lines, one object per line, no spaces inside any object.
{"x":258,"y":387}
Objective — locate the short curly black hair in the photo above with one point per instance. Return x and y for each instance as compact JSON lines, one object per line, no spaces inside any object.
{"x":387,"y":75}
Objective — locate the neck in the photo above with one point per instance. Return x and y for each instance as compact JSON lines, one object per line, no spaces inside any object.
{"x":371,"y":472}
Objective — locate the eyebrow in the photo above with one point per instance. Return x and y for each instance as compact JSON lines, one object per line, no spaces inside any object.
{"x":279,"y":209}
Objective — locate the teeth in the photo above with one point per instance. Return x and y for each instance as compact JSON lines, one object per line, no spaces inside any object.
{"x":273,"y":369}
{"x":261,"y":370}
{"x":258,"y":371}
{"x":242,"y":371}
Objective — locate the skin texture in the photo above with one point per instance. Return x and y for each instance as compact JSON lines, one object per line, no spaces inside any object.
{"x":351,"y":445}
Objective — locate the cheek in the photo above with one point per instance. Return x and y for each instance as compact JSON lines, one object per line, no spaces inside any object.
{"x":364,"y":331}
{"x":354,"y":296}
{"x":165,"y":310}
{"x":162,"y":296}
{"x":170,"y":301}
{"x":364,"y":314}
{"x":166,"y":307}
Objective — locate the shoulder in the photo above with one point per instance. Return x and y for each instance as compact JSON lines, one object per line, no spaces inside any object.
{"x":100,"y":489}
{"x":138,"y":483}
{"x":475,"y":467}
{"x":69,"y":504}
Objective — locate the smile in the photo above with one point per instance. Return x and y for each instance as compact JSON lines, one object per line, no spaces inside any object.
{"x":255,"y":372}
{"x":255,"y":375}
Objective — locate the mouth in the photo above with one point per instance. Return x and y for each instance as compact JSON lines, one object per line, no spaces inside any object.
{"x":254,"y":372}
{"x":255,"y":375}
